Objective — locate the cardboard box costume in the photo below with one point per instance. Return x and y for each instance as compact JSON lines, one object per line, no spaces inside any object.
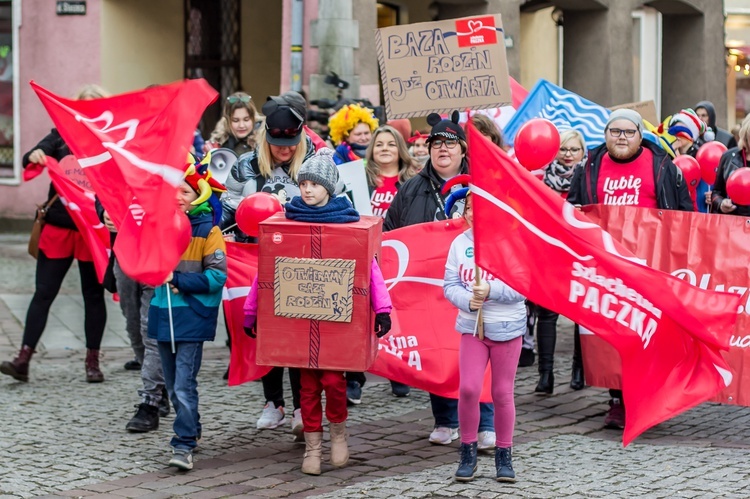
{"x":314,"y":307}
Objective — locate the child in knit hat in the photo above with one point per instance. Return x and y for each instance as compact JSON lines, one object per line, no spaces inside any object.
{"x":317,"y":203}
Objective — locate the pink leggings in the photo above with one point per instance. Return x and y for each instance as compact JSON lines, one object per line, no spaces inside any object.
{"x":472,"y":357}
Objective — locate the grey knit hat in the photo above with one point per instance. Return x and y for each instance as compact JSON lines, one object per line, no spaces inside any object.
{"x":626,"y":114}
{"x":320,"y":169}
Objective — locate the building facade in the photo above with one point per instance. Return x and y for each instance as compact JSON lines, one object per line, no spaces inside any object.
{"x":609,"y":51}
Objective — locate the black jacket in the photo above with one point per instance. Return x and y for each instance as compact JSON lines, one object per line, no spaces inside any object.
{"x":730,"y":161}
{"x":417,"y":200}
{"x":671,"y":191}
{"x":54,"y":147}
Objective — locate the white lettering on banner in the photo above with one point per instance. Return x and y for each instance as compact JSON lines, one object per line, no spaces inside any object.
{"x":739,"y":341}
{"x":395,"y":345}
{"x":402,"y":252}
{"x":605,"y":304}
{"x":689,"y":276}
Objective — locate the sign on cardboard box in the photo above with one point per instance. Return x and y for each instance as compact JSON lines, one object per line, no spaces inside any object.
{"x":315,"y":289}
{"x":443,"y":65}
{"x":646,"y":108}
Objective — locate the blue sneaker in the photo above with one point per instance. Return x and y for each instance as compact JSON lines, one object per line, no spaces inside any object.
{"x":353,"y":393}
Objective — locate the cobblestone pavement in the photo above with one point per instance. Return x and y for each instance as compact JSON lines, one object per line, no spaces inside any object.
{"x":62,"y":437}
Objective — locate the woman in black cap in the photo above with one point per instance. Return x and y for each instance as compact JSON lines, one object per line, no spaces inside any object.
{"x":420,"y":200}
{"x":283,"y":146}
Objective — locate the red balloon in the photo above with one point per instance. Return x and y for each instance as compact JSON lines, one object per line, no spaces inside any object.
{"x":691,"y":170}
{"x":254,"y":209}
{"x":537,"y":143}
{"x":708,"y":158}
{"x":738,"y":187}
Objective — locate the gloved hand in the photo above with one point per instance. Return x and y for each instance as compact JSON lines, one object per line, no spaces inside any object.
{"x":250,"y":330}
{"x":382,"y":324}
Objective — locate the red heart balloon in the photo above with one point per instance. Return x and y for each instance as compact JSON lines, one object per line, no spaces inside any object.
{"x":738,"y":187}
{"x":254,"y":209}
{"x":708,"y":157}
{"x":691,"y":170}
{"x":537,"y":144}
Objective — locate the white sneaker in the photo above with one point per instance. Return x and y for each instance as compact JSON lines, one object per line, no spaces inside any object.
{"x":486,"y":440}
{"x":298,"y":426}
{"x":271,"y":418}
{"x":443,"y":436}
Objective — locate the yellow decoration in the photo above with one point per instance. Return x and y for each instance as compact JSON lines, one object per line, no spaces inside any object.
{"x":346,"y":118}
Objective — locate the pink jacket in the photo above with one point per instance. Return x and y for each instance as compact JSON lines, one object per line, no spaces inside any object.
{"x":379,"y":297}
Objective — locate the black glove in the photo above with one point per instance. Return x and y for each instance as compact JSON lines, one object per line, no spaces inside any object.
{"x":251,"y":331}
{"x":382,"y":324}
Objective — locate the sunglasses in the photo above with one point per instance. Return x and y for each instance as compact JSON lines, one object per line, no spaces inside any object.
{"x":234,"y":99}
{"x":280,"y":133}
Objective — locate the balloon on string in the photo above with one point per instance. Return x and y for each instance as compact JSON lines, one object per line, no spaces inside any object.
{"x":691,"y":170}
{"x":537,"y":143}
{"x":708,"y":157}
{"x":254,"y":209}
{"x":738,"y":187}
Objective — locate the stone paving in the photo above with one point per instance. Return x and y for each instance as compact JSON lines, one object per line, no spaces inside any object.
{"x":62,"y":437}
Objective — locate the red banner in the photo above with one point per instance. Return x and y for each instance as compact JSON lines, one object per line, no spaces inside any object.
{"x":708,"y":251}
{"x":79,"y":202}
{"x":133,"y":148}
{"x":422,"y":348}
{"x":669,"y":334}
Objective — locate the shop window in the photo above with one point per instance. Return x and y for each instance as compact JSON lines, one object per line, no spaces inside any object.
{"x":7,"y":171}
{"x":212,"y":50}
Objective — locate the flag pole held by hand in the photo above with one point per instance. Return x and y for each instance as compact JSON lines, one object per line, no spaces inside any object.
{"x":479,"y":325}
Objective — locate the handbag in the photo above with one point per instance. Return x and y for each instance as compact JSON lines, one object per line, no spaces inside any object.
{"x":36,"y":229}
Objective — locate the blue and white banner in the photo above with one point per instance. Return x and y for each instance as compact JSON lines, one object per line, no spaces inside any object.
{"x":563,"y":108}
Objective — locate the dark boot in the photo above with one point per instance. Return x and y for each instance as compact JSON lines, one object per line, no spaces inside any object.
{"x":546,"y":337}
{"x":146,"y":419}
{"x":18,"y":368}
{"x":467,"y":466}
{"x":93,"y":373}
{"x":577,"y":380}
{"x":546,"y":383}
{"x":164,"y":403}
{"x":504,"y":465}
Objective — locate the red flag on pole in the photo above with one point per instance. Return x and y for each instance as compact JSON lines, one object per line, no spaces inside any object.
{"x":669,"y":334}
{"x":80,"y":205}
{"x":133,"y":148}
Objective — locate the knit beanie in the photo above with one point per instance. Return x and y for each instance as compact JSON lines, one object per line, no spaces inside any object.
{"x":626,"y":114}
{"x":686,"y":124}
{"x":320,"y":169}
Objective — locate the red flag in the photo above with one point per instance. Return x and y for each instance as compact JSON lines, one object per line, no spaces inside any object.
{"x":422,"y":348}
{"x":242,"y":266}
{"x":669,"y":334}
{"x":80,"y":205}
{"x":133,"y":148}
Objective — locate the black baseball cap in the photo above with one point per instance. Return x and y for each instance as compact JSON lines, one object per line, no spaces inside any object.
{"x":285,"y":117}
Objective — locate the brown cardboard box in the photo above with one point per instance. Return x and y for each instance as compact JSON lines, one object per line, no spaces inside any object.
{"x":314,"y":294}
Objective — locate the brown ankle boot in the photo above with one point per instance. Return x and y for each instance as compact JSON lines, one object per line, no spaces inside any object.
{"x":339,"y":445}
{"x":19,"y":367}
{"x":313,"y":453}
{"x":93,"y":373}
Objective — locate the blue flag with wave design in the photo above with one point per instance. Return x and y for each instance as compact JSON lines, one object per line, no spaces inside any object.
{"x":562,"y":107}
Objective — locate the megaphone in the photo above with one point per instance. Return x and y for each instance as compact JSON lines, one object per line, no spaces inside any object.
{"x":222,"y":161}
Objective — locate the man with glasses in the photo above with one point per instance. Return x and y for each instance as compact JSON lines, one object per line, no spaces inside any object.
{"x":628,"y":171}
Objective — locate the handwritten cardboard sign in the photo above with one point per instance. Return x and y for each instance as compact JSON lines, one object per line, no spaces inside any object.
{"x":646,"y":108}
{"x":443,"y":65}
{"x":315,"y":289}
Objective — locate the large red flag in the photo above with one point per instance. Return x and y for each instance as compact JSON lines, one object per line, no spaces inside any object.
{"x":133,"y":148}
{"x":79,"y":202}
{"x":669,"y":334}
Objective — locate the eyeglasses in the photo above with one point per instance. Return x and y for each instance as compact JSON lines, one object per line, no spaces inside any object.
{"x":234,"y":99}
{"x":616,"y":132}
{"x":438,"y":143}
{"x":571,"y":150}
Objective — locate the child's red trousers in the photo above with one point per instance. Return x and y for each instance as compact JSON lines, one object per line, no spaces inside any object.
{"x":313,"y":382}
